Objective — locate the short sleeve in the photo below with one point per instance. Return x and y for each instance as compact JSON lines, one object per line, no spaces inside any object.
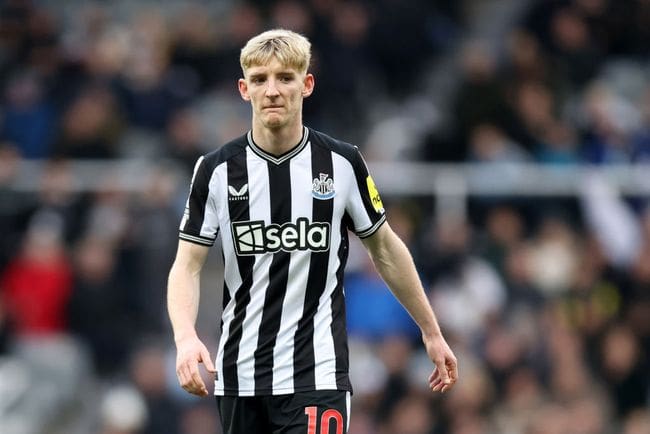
{"x":196,"y":225}
{"x":364,"y":204}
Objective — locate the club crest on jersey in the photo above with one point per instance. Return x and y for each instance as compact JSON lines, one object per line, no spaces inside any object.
{"x":323,"y":187}
{"x":241,"y":194}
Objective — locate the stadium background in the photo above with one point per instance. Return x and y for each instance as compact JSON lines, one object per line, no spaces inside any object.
{"x":534,"y":245}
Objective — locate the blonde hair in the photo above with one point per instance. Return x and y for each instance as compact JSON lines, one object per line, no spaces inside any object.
{"x":289,"y":48}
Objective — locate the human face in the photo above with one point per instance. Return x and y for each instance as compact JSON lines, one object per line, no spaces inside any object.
{"x":276,"y":93}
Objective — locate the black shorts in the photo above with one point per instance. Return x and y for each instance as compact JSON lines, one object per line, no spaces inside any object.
{"x":317,"y":412}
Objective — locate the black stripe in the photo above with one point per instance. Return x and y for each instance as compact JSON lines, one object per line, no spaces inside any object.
{"x":280,"y":191}
{"x":224,"y":303}
{"x":361,"y":175}
{"x":339,"y":328}
{"x":226,"y":292}
{"x":239,"y":211}
{"x":322,"y":210}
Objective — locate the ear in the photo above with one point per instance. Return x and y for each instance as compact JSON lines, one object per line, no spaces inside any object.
{"x":243,"y":89}
{"x":309,"y":83}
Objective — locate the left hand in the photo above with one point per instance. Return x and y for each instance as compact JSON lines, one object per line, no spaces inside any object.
{"x":445,"y":374}
{"x":190,"y":352}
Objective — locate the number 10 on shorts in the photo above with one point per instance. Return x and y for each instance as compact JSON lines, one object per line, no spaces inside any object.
{"x":326,"y":417}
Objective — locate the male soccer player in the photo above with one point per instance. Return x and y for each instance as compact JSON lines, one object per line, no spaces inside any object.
{"x":283,"y":198}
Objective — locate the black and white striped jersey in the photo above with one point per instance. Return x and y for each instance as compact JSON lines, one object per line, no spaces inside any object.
{"x":284,"y":223}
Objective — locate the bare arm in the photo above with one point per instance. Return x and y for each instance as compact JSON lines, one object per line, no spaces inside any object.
{"x":394,"y":263}
{"x":183,"y":304}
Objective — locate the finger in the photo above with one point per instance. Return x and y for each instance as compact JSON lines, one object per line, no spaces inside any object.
{"x":436,"y":386}
{"x":207,"y":361}
{"x":436,"y":380}
{"x":182,"y":374}
{"x":185,"y":378}
{"x":453,"y":370}
{"x":194,"y":389}
{"x":181,"y":377}
{"x":197,"y":382}
{"x":188,"y":382}
{"x":440,"y":365}
{"x":453,"y":377}
{"x":446,"y":387}
{"x":199,"y":391}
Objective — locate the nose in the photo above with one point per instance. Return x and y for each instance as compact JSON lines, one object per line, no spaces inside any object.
{"x":271,"y":88}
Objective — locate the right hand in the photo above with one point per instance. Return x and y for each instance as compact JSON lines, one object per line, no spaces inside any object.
{"x":445,"y":374}
{"x":191,"y":352}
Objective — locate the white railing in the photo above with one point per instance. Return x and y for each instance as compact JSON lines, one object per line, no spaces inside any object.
{"x":505,"y":179}
{"x":442,"y":182}
{"x":133,"y":175}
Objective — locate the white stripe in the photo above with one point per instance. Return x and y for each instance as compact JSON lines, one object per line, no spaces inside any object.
{"x":324,"y":356}
{"x":371,"y":230}
{"x":216,"y":195}
{"x":355,"y":207}
{"x":251,"y":325}
{"x":186,"y":214}
{"x":227,"y":316}
{"x":260,"y":209}
{"x":204,"y":241}
{"x":348,"y":406}
{"x":293,"y":304}
{"x":232,"y":278}
{"x":233,"y":281}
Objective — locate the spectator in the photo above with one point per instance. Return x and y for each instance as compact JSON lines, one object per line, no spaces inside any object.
{"x":29,"y":119}
{"x":148,"y":373}
{"x":15,"y":207}
{"x":623,"y":369}
{"x":90,"y":126}
{"x":37,"y":283}
{"x":99,"y":309}
{"x":184,"y":139}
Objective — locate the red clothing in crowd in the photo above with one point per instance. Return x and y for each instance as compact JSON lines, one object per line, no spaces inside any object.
{"x":36,"y":294}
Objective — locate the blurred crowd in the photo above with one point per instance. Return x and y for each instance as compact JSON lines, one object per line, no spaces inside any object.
{"x":545,"y":302}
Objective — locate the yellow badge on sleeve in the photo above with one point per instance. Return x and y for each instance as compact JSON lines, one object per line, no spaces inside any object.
{"x":374,"y":195}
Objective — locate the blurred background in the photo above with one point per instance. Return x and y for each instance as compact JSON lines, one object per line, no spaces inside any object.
{"x":510,"y":140}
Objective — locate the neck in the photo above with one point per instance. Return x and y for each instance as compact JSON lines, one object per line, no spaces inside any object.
{"x":277,"y":141}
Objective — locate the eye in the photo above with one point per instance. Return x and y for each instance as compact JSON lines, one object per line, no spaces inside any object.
{"x":257,"y":80}
{"x":286,"y":78}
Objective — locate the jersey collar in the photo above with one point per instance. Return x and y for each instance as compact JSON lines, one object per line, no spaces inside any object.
{"x":279,"y":159}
